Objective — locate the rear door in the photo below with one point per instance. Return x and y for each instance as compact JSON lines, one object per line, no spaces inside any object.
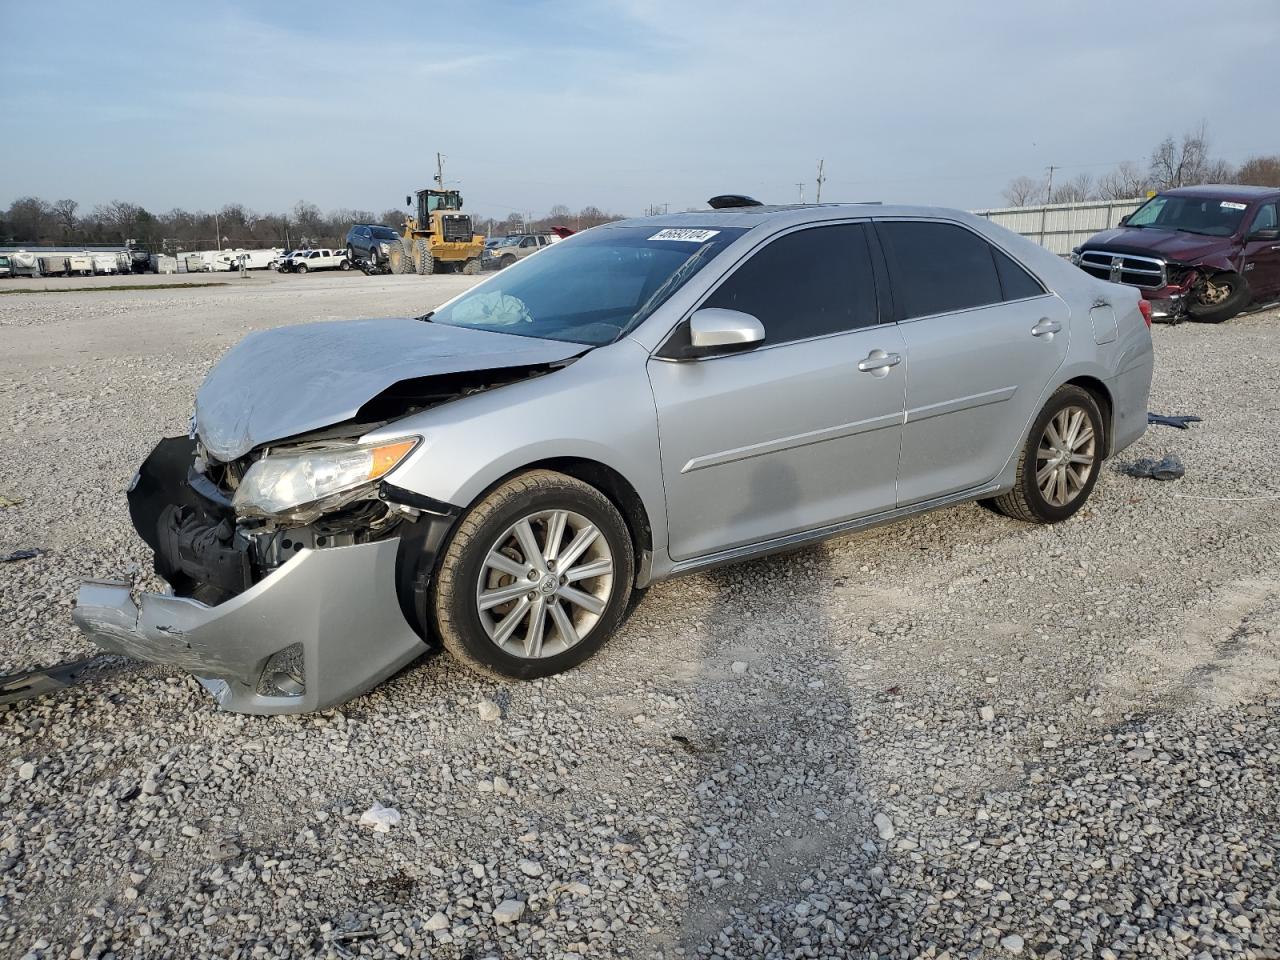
{"x":1262,"y":256}
{"x":983,"y":340}
{"x":795,"y":434}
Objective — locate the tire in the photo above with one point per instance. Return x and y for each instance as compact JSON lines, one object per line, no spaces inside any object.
{"x":345,"y":265}
{"x":1226,"y":295}
{"x":471,"y":267}
{"x":504,"y":262}
{"x":302,"y":268}
{"x":576,"y":620}
{"x":426,"y":262}
{"x":1066,"y":489}
{"x":351,"y":254}
{"x":399,"y":259}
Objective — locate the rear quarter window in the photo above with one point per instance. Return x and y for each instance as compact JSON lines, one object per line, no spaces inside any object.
{"x":1015,"y":282}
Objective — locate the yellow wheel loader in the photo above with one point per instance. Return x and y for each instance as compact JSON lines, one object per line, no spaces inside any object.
{"x":439,"y":239}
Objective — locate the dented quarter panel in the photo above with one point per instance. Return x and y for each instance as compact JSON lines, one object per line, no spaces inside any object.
{"x":279,"y":383}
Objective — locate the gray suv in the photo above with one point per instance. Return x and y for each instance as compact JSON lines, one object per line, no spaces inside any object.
{"x":644,"y":399}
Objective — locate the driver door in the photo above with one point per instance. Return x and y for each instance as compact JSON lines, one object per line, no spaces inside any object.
{"x":800,"y":432}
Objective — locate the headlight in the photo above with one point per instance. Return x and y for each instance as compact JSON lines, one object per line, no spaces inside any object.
{"x":1075,"y":256}
{"x":281,"y":482}
{"x":384,"y":247}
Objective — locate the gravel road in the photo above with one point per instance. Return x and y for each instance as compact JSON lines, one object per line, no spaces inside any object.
{"x":960,"y":736}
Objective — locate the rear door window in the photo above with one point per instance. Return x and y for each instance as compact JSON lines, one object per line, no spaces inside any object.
{"x":938,"y":267}
{"x":810,"y":283}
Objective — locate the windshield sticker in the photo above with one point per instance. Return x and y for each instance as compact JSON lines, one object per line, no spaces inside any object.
{"x":684,"y":233}
{"x":1229,"y":205}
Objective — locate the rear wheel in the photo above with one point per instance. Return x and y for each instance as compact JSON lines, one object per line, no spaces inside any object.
{"x":1059,"y":464}
{"x":1219,"y":298}
{"x":426,"y":262}
{"x":535,"y":579}
{"x":471,"y":267}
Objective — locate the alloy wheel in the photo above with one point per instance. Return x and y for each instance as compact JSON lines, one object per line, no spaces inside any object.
{"x":544,"y":584}
{"x":1066,"y":456}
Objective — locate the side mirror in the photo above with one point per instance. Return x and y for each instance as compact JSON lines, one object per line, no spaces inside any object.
{"x":1124,"y":219}
{"x":1265,"y":234}
{"x":714,"y":330}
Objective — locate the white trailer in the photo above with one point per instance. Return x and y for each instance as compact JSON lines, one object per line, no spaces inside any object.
{"x":254,"y":259}
{"x":163,"y":263}
{"x":106,"y":263}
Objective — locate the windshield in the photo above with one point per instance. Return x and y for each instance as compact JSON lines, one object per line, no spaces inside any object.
{"x":384,"y":233}
{"x":593,"y":287}
{"x":1210,"y":216}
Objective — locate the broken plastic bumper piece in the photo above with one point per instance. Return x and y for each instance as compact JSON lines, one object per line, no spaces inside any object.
{"x":319,"y":630}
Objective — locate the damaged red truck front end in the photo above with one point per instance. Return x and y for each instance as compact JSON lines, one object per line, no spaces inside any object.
{"x":1201,"y":253}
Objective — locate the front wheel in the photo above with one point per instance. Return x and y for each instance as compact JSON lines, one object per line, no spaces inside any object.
{"x":535,"y":579}
{"x":1059,"y":463}
{"x":1218,"y":298}
{"x":302,"y":268}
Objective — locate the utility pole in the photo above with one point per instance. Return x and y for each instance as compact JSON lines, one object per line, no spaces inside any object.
{"x":217,"y":228}
{"x":821,"y":178}
{"x":439,"y":171}
{"x":801,"y":188}
{"x":1048,"y":194}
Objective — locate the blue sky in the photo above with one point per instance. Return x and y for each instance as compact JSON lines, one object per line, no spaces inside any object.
{"x":615,"y":104}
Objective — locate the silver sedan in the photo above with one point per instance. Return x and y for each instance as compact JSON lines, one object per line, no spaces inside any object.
{"x":641,"y":400}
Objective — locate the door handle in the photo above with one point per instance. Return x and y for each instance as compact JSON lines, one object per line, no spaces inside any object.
{"x":1046,"y":328}
{"x":879,"y":362}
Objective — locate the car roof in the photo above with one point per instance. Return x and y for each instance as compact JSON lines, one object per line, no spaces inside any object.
{"x":782,"y":214}
{"x":1222,"y":191}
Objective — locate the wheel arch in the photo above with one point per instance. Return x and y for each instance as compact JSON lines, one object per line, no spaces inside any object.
{"x":1102,"y":397}
{"x":620,"y":491}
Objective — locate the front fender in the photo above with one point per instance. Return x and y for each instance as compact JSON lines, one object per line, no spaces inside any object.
{"x":599,"y":408}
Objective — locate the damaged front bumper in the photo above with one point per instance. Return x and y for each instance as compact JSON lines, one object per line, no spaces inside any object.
{"x":321,"y":629}
{"x":269,"y":619}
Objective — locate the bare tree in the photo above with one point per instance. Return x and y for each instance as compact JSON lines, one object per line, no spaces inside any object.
{"x":1181,"y":164}
{"x":120,"y":219}
{"x":1076,"y":190}
{"x":65,"y":213}
{"x":1022,"y":190}
{"x":559,"y":212}
{"x":1123,"y":183}
{"x":1260,"y":171}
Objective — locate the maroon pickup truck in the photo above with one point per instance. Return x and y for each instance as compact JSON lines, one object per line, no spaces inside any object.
{"x":1200,"y":252}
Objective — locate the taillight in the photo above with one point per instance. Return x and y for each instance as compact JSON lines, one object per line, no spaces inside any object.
{"x":1145,"y":307}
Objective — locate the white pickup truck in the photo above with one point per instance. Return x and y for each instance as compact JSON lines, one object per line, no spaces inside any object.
{"x":304,"y":261}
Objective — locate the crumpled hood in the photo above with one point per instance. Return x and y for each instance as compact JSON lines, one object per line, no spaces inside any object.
{"x":279,"y":383}
{"x":1168,"y":244}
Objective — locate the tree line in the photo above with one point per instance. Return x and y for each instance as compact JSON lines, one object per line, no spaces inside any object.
{"x":1174,"y":163}
{"x":34,"y":221}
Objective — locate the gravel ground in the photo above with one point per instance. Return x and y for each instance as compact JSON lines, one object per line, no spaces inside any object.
{"x":958,"y":736}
